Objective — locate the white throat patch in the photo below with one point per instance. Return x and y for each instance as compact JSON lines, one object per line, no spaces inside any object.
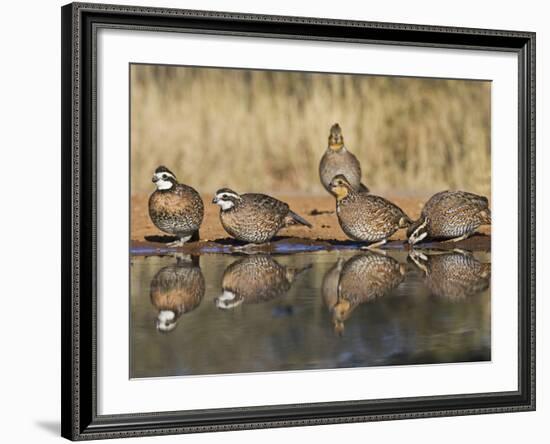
{"x":225,"y":204}
{"x":162,"y":183}
{"x":222,"y":199}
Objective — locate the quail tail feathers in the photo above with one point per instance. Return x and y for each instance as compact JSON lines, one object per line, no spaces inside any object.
{"x":293,"y":218}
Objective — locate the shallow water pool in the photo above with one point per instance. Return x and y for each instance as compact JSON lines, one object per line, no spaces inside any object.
{"x":221,"y":313}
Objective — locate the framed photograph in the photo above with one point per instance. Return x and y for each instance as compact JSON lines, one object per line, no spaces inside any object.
{"x":281,"y":221}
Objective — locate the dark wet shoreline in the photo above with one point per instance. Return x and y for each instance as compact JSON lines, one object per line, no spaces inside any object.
{"x":157,"y":245}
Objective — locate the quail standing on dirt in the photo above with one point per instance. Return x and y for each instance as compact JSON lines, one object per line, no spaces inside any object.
{"x":254,"y":218}
{"x":175,"y":208}
{"x":450,"y":216}
{"x":338,"y":160}
{"x":364,"y":216}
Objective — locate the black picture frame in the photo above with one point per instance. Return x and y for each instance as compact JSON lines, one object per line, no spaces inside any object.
{"x":79,"y":174}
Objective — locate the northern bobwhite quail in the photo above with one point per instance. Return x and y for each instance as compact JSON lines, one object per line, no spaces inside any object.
{"x":454,"y":275}
{"x":338,"y":160}
{"x":364,"y":278}
{"x":450,"y":215}
{"x":364,"y":216}
{"x":175,"y":290}
{"x":175,"y":208}
{"x":255,"y":279}
{"x":254,"y":218}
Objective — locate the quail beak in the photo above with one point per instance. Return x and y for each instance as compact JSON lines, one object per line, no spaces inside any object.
{"x":215,"y":200}
{"x":154,"y":179}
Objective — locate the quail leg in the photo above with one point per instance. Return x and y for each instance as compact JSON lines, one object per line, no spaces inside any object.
{"x":251,"y":248}
{"x":457,"y":239}
{"x":374,"y":246}
{"x":180,"y":242}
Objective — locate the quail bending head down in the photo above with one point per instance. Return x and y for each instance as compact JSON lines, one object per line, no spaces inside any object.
{"x":450,"y":215}
{"x":254,"y":218}
{"x":364,"y":216}
{"x":175,"y":208}
{"x":338,"y":160}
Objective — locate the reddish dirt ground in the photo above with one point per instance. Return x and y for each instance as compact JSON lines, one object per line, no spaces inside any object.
{"x":318,"y":210}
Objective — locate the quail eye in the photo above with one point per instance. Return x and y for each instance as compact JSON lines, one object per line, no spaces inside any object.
{"x":165,"y":176}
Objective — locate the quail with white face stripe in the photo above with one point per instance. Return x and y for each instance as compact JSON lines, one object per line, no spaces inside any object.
{"x":254,"y":218}
{"x":175,"y":208}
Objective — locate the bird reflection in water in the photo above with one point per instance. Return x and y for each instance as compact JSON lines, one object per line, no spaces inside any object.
{"x":454,"y":275}
{"x":255,"y":279}
{"x":362,"y":278}
{"x":175,"y":290}
{"x":329,"y":286}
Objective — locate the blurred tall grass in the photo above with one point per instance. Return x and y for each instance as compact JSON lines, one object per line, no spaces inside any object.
{"x":266,"y":130}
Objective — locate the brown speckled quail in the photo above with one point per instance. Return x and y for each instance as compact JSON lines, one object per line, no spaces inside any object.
{"x":254,"y":218}
{"x":364,"y":278}
{"x":454,"y":275}
{"x":255,"y":279}
{"x":366,"y":217}
{"x":338,"y":160}
{"x":175,"y":208}
{"x":175,"y":290}
{"x":450,"y":215}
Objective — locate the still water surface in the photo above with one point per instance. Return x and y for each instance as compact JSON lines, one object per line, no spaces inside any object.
{"x":219,"y":313}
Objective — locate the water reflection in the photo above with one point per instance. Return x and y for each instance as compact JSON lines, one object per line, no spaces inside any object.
{"x":175,"y":290}
{"x":454,"y":275}
{"x":329,"y":286}
{"x":364,"y":278}
{"x":382,"y":308}
{"x":255,"y":279}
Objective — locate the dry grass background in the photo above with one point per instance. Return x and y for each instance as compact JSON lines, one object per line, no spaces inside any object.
{"x":266,"y":131}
